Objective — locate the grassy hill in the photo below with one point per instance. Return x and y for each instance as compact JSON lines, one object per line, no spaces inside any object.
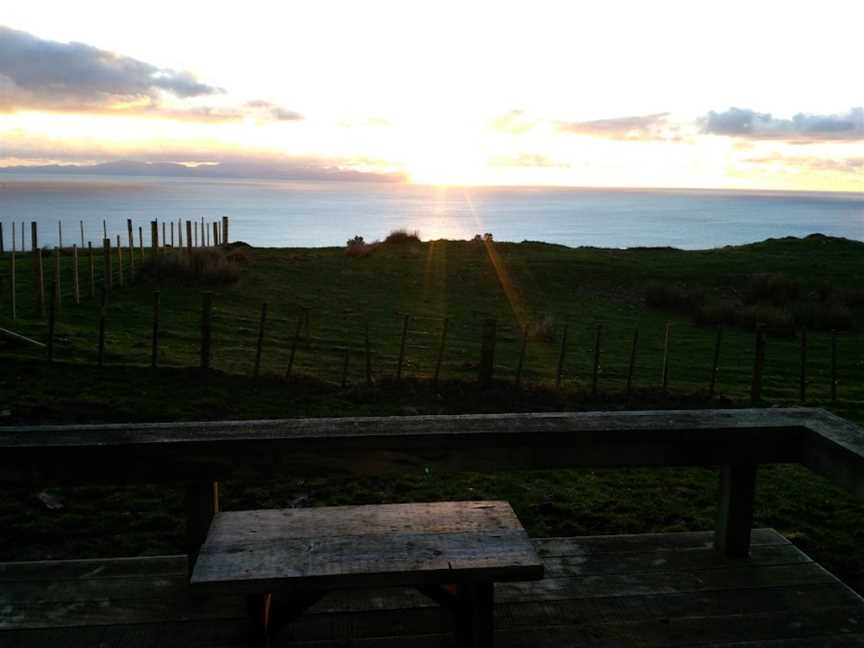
{"x":535,"y":285}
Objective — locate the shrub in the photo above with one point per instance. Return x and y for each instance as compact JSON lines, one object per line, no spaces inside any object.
{"x":202,"y":265}
{"x":777,"y":322}
{"x":238,"y":256}
{"x":715,"y":311}
{"x":776,"y":288}
{"x":399,"y":236}
{"x":834,"y":315}
{"x":661,"y":295}
{"x":357,"y":247}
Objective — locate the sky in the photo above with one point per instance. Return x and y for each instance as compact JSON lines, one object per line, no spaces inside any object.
{"x":738,"y":94}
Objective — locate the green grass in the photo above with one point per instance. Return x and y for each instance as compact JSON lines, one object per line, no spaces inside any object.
{"x":465,"y":282}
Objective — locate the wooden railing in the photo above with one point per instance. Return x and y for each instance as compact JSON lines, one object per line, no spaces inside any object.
{"x":200,"y":454}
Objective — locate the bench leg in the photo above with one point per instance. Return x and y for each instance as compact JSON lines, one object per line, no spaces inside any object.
{"x":479,"y":609}
{"x":258,"y":609}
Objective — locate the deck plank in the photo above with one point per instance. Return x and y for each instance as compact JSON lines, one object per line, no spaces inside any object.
{"x":660,"y":590}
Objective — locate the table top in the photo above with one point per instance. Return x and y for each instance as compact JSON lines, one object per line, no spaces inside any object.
{"x":365,"y":546}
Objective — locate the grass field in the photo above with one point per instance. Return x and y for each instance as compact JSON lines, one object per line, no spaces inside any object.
{"x":544,"y":287}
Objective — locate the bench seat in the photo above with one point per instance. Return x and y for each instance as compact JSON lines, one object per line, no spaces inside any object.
{"x":452,"y":551}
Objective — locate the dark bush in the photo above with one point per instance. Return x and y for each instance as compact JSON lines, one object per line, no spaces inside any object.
{"x":776,"y":288}
{"x":671,"y":296}
{"x":357,"y":247}
{"x":777,"y":321}
{"x":400,"y":236}
{"x":714,"y":311}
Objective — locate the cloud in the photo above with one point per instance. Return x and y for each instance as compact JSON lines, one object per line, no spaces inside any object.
{"x":801,"y":128}
{"x":272,"y":111}
{"x":49,"y":75}
{"x":38,"y":74}
{"x":533,"y":160}
{"x":853,"y":165}
{"x":637,"y":127}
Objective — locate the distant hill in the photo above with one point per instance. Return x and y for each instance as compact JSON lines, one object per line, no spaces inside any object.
{"x":230,"y":169}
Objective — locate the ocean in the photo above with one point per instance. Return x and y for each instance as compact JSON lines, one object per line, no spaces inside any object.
{"x":303,"y":213}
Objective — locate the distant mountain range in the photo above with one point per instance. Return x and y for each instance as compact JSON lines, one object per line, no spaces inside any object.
{"x":231,"y":169}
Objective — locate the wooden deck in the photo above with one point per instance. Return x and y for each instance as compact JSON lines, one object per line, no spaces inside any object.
{"x":644,"y":590}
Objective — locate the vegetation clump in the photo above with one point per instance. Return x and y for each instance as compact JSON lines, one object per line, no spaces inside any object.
{"x":401,"y":236}
{"x":771,"y":299}
{"x":212,"y":266}
{"x":357,"y":247}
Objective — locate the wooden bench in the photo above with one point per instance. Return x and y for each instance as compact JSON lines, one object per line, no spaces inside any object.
{"x":285,"y":560}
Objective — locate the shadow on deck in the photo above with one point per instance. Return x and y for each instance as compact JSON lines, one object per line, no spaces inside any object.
{"x":639,"y":590}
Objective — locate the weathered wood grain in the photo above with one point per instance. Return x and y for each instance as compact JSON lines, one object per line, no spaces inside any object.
{"x":178,"y":451}
{"x":365,"y":546}
{"x":695,"y":598}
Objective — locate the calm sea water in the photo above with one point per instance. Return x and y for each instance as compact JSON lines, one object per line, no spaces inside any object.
{"x":286,"y":213}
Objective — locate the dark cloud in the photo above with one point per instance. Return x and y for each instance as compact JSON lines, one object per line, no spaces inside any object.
{"x":48,"y":75}
{"x":37,"y":74}
{"x":803,"y":127}
{"x":272,"y":111}
{"x":637,"y":127}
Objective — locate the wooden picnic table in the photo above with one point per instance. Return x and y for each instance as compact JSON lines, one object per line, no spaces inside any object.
{"x":284,"y":560}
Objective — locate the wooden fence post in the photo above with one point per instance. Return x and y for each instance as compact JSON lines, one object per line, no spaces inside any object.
{"x":225,"y":239}
{"x":632,"y":365}
{"x":664,"y":379}
{"x":2,"y":245}
{"x":154,"y":355}
{"x":172,"y":234}
{"x":14,"y":245}
{"x":715,"y":362}
{"x":76,"y":287}
{"x":294,"y":346}
{"x":81,"y":223}
{"x":131,"y":249}
{"x":215,"y":234}
{"x":802,"y":387}
{"x":735,"y":510}
{"x":104,"y":229}
{"x":180,"y":233}
{"x":487,"y":352}
{"x":561,"y":355}
{"x":399,"y":364}
{"x":260,"y":340}
{"x":92,"y":269}
{"x":758,"y":364}
{"x":13,"y":287}
{"x":596,"y":367}
{"x":154,"y":238}
{"x":34,"y":236}
{"x":206,"y":323}
{"x":347,"y":351}
{"x":368,"y":354}
{"x":120,"y":263}
{"x":107,"y":279}
{"x":40,"y":282}
{"x":833,"y":366}
{"x":141,"y":243}
{"x":164,"y":238}
{"x":521,"y":363}
{"x":100,"y":356}
{"x":189,"y":236}
{"x":56,"y":293}
{"x":59,"y":235}
{"x":195,"y":234}
{"x":52,"y":314}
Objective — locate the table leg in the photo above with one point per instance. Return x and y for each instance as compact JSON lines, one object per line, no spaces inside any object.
{"x":479,"y":599}
{"x":258,"y":609}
